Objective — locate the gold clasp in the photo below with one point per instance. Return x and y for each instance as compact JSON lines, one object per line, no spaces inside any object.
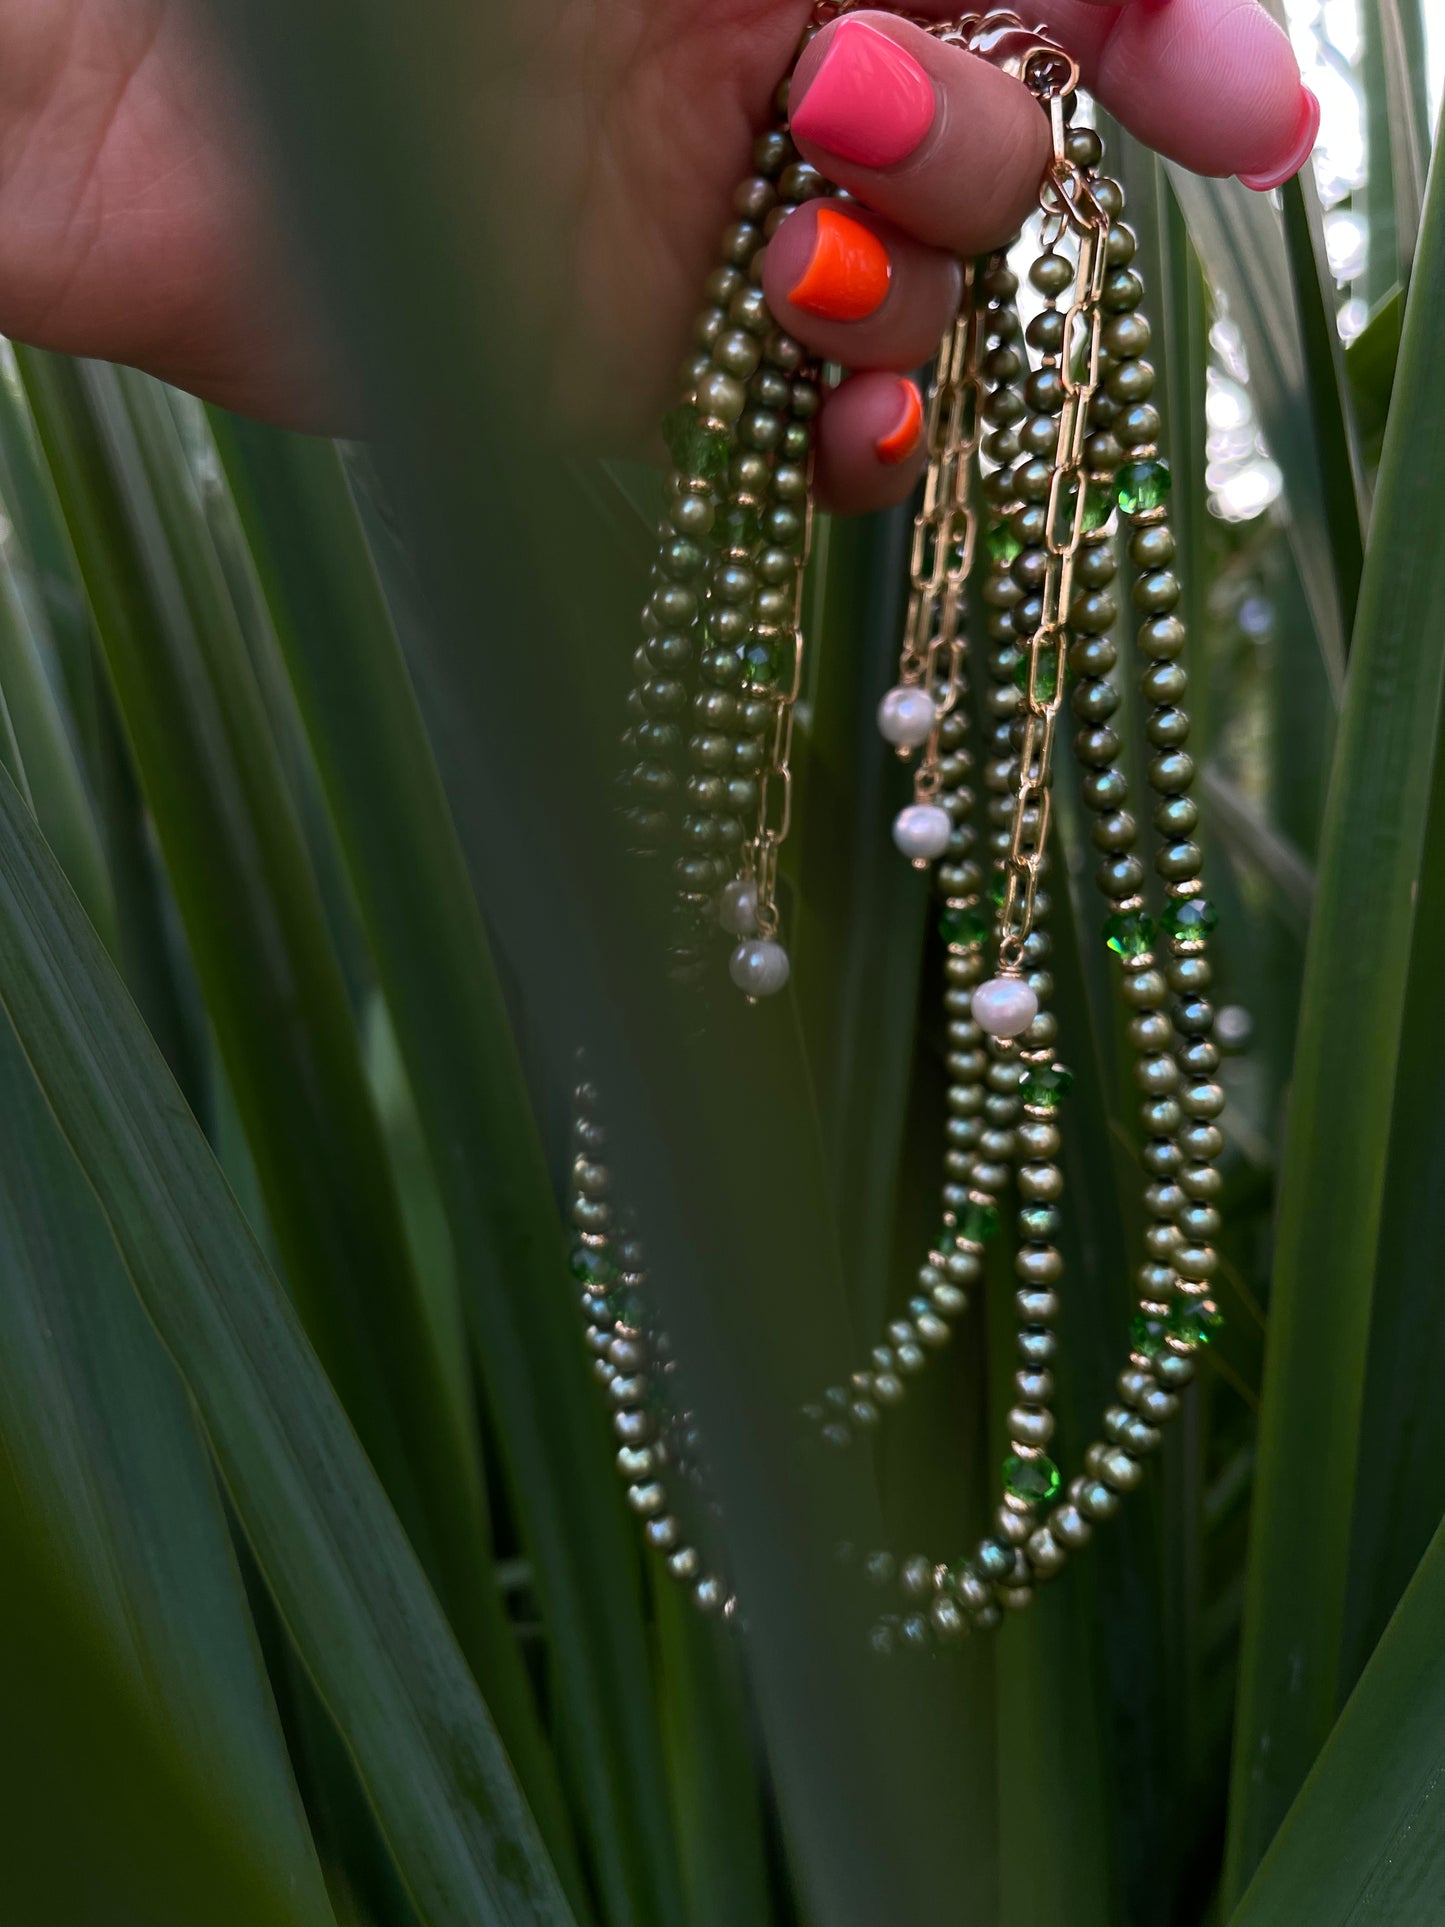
{"x":1005,"y":40}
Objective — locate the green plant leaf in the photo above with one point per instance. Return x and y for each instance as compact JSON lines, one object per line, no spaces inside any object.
{"x":107,"y":1815}
{"x":248,"y":899}
{"x":342,"y":1573}
{"x":1344,"y":1090}
{"x":52,"y":774}
{"x":98,"y":1437}
{"x":1240,"y":239}
{"x":1370,"y":362}
{"x":454,"y":1034}
{"x":1364,"y":1844}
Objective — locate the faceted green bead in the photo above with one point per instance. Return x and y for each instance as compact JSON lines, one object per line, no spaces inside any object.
{"x":1147,"y":1335}
{"x":1047,"y":681}
{"x":1098,"y":505}
{"x":998,"y":889}
{"x":1189,"y":918}
{"x":1003,"y":544}
{"x":762,"y":662}
{"x":1144,"y":485}
{"x":980,"y":1222}
{"x":1034,"y":1481}
{"x":592,"y":1267}
{"x":1046,"y":1085}
{"x":1194,"y":1321}
{"x":739,"y":527}
{"x":965,"y":925}
{"x":695,"y":450}
{"x":626,"y":1306}
{"x":1129,"y":933}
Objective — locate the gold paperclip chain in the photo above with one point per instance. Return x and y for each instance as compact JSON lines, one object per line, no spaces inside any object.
{"x":945,"y":530}
{"x":1068,"y":203}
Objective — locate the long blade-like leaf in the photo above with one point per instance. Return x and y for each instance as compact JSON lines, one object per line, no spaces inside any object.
{"x":452,"y":1025}
{"x":97,"y":1434}
{"x":1240,"y":241}
{"x":344,"y":1577}
{"x":1364,"y":1844}
{"x":1345,"y":1074}
{"x":274,"y":991}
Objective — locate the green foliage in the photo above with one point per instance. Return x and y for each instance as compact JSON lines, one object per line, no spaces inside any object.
{"x":323,"y":1605}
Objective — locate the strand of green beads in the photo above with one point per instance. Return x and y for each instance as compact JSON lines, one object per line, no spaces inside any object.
{"x":758,"y":553}
{"x":1187,"y":922}
{"x":630,"y":1364}
{"x":954,"y":1261}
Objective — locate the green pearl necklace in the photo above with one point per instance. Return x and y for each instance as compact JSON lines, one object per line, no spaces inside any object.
{"x":1044,"y":464}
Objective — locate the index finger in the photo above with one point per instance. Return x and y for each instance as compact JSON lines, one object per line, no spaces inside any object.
{"x":1213,"y":84}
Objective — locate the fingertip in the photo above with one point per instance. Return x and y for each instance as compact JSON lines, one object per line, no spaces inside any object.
{"x":856,"y":290}
{"x":870,"y":446}
{"x":1216,"y":88}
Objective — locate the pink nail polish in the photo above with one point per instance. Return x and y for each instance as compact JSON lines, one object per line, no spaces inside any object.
{"x":869,"y":102}
{"x":1301,"y":146}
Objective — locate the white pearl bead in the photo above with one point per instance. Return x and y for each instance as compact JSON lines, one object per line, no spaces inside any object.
{"x":922,"y":831}
{"x":906,"y":716}
{"x":1004,"y":1007}
{"x":760,"y":967}
{"x":737,"y":909}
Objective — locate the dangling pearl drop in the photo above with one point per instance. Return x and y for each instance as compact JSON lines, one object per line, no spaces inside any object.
{"x":759,"y":967}
{"x":906,"y":716}
{"x":922,"y":831}
{"x":1004,"y":1007}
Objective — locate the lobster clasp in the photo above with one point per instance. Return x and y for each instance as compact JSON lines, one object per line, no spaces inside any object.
{"x":1029,"y":54}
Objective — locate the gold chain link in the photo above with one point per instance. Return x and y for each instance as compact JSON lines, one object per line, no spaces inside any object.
{"x":1068,"y":202}
{"x":775,"y":782}
{"x":945,"y":530}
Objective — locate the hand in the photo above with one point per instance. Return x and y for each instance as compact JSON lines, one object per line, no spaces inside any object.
{"x":135,"y":223}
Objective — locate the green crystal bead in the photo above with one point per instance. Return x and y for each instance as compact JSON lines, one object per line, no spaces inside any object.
{"x":980,"y":1222}
{"x":1047,"y":681}
{"x":739,"y":527}
{"x":1143,"y":486}
{"x":1098,"y":505}
{"x":1003,"y":544}
{"x":695,"y":449}
{"x":625,"y":1305}
{"x":762,"y":662}
{"x":1046,"y":1085}
{"x":1194,"y":1321}
{"x":1148,"y":1335}
{"x":998,"y":889}
{"x":1190,"y":918}
{"x":965,"y":925}
{"x":592,"y":1267}
{"x":1034,"y":1481}
{"x":1129,"y":933}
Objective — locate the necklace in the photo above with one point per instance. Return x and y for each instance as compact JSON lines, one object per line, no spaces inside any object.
{"x":1043,"y":463}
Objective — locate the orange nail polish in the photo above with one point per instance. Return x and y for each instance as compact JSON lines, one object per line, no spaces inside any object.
{"x":847,"y":277}
{"x":900,"y":442}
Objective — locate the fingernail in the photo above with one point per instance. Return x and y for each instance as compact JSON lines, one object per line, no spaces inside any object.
{"x":869,"y":101}
{"x":1301,"y":146}
{"x":848,"y":272}
{"x":900,"y":442}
